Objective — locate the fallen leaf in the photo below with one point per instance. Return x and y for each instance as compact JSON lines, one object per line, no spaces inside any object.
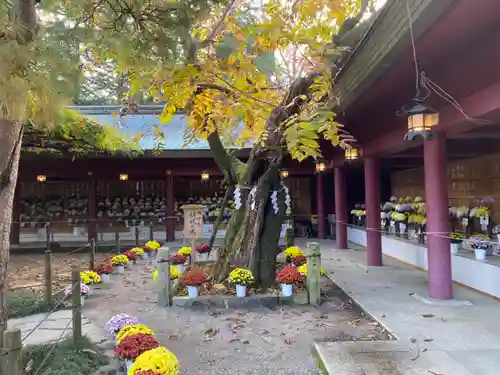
{"x":428,"y":340}
{"x":266,"y":339}
{"x":234,"y":339}
{"x":246,"y":342}
{"x":428,"y":315}
{"x":288,"y":341}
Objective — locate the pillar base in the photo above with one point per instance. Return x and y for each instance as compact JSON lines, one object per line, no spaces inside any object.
{"x":441,"y":302}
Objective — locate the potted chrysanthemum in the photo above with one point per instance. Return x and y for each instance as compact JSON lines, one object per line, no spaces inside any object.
{"x":299,"y":260}
{"x":303,"y":270}
{"x":241,"y":278}
{"x":178,"y":260}
{"x":203,"y":251}
{"x":104,"y":270}
{"x":193,"y":278}
{"x":132,"y":257}
{"x":456,"y":240}
{"x":186,"y":251}
{"x":158,"y":361}
{"x":119,"y":262}
{"x":174,"y":273}
{"x":117,"y":322}
{"x":90,"y":278}
{"x":292,"y":251}
{"x":84,"y":291}
{"x":481,"y":245}
{"x":140,"y":253}
{"x":288,"y":276}
{"x":151,"y":248}
{"x":133,"y":346}
{"x":132,"y":329}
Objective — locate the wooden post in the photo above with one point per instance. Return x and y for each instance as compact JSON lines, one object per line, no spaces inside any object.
{"x":47,"y":235}
{"x":314,"y":273}
{"x":76,"y":303}
{"x":164,"y":282}
{"x":136,"y":236}
{"x":13,"y":364}
{"x":48,"y":278}
{"x":92,"y":254}
{"x":151,"y":231}
{"x":117,"y":242}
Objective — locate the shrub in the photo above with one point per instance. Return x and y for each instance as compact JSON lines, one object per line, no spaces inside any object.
{"x":194,"y":277}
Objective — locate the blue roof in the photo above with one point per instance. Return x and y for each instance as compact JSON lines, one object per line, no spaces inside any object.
{"x":144,"y":122}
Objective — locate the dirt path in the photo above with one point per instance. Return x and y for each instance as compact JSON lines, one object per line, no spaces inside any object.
{"x":260,"y":341}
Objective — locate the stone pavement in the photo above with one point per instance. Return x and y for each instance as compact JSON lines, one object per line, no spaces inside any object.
{"x":57,"y":324}
{"x":433,"y":338}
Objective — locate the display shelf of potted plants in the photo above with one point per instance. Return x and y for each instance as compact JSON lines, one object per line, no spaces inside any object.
{"x":119,"y":262}
{"x":193,"y":278}
{"x":133,"y":346}
{"x":117,"y":322}
{"x":178,"y":260}
{"x":288,"y":276}
{"x":132,"y":257}
{"x":151,"y":248}
{"x":241,"y":278}
{"x":203,"y":251}
{"x":157,"y":361}
{"x":291,"y":252}
{"x":186,"y":251}
{"x":481,"y":246}
{"x":84,"y":292}
{"x":104,"y":270}
{"x":140,"y":253}
{"x":456,"y":240}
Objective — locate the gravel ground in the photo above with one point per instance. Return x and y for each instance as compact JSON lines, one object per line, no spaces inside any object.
{"x":233,"y":342}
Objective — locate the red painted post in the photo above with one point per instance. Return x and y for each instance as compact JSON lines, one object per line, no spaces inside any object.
{"x":438,"y":225}
{"x":169,"y":200}
{"x":340,"y":208}
{"x":320,"y":209}
{"x":372,"y":205}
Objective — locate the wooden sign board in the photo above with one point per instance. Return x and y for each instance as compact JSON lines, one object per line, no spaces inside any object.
{"x":193,"y":221}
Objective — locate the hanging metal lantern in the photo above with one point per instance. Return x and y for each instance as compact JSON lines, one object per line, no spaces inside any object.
{"x":41,"y":178}
{"x":205,"y":176}
{"x":421,"y":120}
{"x":284,"y":173}
{"x":352,"y":153}
{"x":123,"y":177}
{"x":320,"y":166}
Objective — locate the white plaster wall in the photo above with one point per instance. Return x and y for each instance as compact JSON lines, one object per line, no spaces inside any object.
{"x":482,"y":276}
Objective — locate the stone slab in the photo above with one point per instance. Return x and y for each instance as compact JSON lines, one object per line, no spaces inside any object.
{"x":387,"y":358}
{"x":233,"y":302}
{"x":368,"y":268}
{"x":444,"y":303}
{"x":50,"y":329}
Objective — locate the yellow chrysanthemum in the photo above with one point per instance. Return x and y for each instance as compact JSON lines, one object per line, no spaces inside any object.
{"x":186,"y":251}
{"x":131,"y":330}
{"x":303,"y":270}
{"x":293,"y":251}
{"x":152,"y":245}
{"x":137,"y":250}
{"x":159,"y":360}
{"x":119,"y":260}
{"x":241,"y":276}
{"x":84,"y":278}
{"x":90,"y":276}
{"x":174,"y":273}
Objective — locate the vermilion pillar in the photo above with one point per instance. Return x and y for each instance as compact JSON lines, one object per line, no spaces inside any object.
{"x":340,"y":208}
{"x":372,"y":205}
{"x":320,"y":206}
{"x":438,"y":225}
{"x":169,"y":196}
{"x":92,"y":216}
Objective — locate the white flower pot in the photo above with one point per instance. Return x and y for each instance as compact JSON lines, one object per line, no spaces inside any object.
{"x":480,"y":254}
{"x":128,"y":265}
{"x":90,"y":290}
{"x":241,"y":290}
{"x":455,"y":247}
{"x":402,"y":227}
{"x":105,"y":278}
{"x":145,"y":256}
{"x":498,"y":238}
{"x":152,"y":254}
{"x":128,"y":365}
{"x":119,"y":270}
{"x":192,"y":291}
{"x":203,"y":257}
{"x":82,"y":300}
{"x":286,"y":290}
{"x":180,"y":267}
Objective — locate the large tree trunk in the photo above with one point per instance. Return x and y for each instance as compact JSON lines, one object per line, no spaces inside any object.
{"x":10,"y":148}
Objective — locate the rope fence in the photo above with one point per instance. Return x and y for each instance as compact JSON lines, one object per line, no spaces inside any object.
{"x":13,"y":341}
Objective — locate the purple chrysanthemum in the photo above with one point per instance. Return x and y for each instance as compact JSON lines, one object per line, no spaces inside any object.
{"x":84,"y":290}
{"x":119,"y":321}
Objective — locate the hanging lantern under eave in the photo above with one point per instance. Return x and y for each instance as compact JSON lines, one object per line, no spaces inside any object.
{"x":123,"y":177}
{"x":284,"y":173}
{"x":421,"y":120}
{"x":41,"y":178}
{"x":352,"y":153}
{"x":205,"y":176}
{"x":320,"y":166}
